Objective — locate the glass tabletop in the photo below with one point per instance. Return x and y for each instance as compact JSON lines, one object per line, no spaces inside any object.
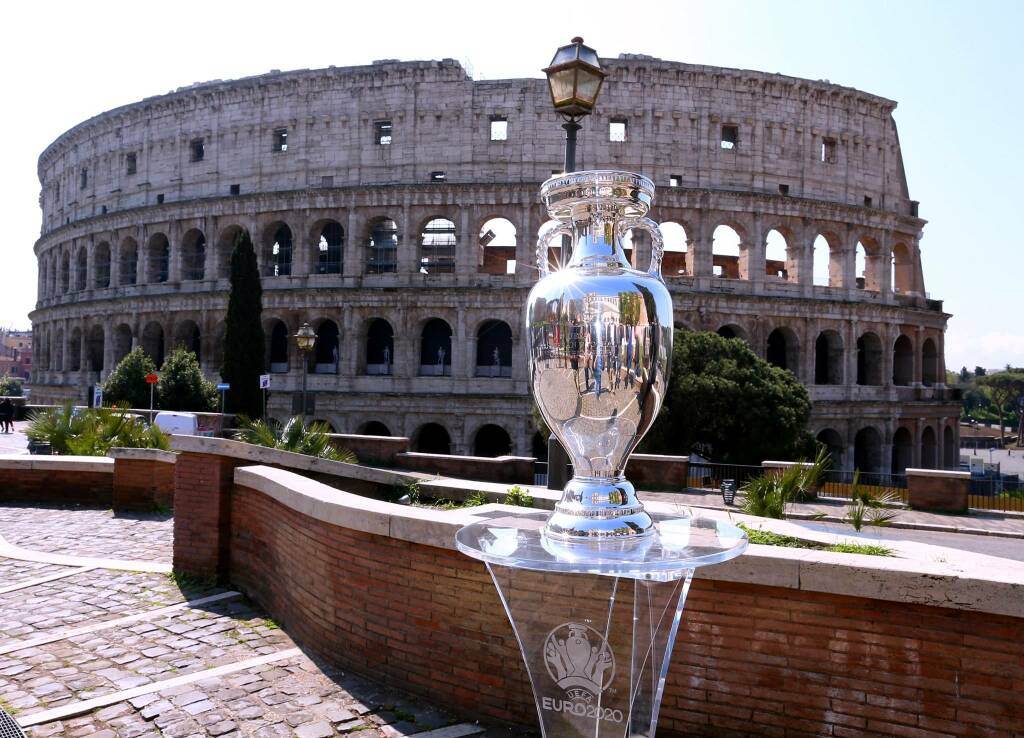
{"x":680,"y":544}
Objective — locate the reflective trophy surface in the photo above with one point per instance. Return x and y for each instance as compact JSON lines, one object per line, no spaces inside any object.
{"x":600,"y":340}
{"x":595,"y":590}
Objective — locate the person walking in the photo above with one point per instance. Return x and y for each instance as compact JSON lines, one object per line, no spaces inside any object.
{"x":7,"y":415}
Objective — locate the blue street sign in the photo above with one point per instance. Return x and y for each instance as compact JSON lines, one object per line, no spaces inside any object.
{"x":223,"y":386}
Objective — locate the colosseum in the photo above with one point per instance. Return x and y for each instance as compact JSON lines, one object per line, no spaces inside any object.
{"x":394,"y":207}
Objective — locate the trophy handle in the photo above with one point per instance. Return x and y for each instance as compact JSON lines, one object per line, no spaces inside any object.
{"x":657,"y":241}
{"x":547,"y":233}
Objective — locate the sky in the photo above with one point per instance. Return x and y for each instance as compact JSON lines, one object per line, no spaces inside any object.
{"x":955,"y":69}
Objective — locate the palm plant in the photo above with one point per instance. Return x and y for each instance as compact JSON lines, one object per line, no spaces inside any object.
{"x":869,"y":508}
{"x":768,"y":495}
{"x":294,"y":435}
{"x":56,"y":426}
{"x":93,"y":432}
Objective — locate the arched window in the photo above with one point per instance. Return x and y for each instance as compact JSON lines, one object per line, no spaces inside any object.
{"x":674,"y":261}
{"x":902,"y":450}
{"x":903,"y":362}
{"x":930,"y":370}
{"x":380,"y":347}
{"x":782,"y":350}
{"x":383,"y":247}
{"x":497,"y":247}
{"x":902,"y":269}
{"x":494,"y":349}
{"x":374,"y":428}
{"x":828,"y":358}
{"x":278,"y":348}
{"x":65,"y":273}
{"x":776,"y":255}
{"x":869,"y":271}
{"x":436,"y":349}
{"x":329,"y":248}
{"x":82,"y":269}
{"x":159,"y":258}
{"x":102,"y":276}
{"x":832,"y":441}
{"x":326,"y":348}
{"x":153,"y":342}
{"x":949,"y":452}
{"x":225,"y":247}
{"x":188,"y":337}
{"x":929,"y":448}
{"x":128,"y":267}
{"x":278,"y":250}
{"x":822,"y":265}
{"x":193,"y":255}
{"x":539,"y":447}
{"x":732,"y":331}
{"x":122,"y":342}
{"x":869,"y":360}
{"x":725,"y":252}
{"x":491,"y":441}
{"x":75,"y":350}
{"x":437,"y":247}
{"x":94,"y":349}
{"x":432,"y":438}
{"x":867,"y":451}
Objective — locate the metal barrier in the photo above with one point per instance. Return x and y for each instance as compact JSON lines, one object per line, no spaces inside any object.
{"x":1003,"y":494}
{"x":709,"y":475}
{"x":839,"y":484}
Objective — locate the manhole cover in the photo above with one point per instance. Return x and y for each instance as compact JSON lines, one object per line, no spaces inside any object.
{"x":9,"y":728}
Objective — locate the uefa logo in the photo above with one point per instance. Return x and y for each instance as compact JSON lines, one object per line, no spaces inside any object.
{"x":580,"y":661}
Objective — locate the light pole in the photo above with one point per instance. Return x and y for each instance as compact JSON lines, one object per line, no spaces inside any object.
{"x":574,"y":80}
{"x":305,"y":339}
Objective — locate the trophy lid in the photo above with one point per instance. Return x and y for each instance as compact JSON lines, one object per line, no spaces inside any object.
{"x":633,"y":193}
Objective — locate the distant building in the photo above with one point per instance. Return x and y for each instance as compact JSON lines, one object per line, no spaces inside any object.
{"x":16,"y":354}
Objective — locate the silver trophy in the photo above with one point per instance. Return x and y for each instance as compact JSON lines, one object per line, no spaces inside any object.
{"x":600,"y":340}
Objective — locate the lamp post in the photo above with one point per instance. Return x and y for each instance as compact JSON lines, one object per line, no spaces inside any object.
{"x":574,"y":81}
{"x":305,"y":339}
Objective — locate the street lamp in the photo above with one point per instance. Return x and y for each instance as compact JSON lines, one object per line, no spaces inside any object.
{"x":574,"y":79}
{"x":305,"y":339}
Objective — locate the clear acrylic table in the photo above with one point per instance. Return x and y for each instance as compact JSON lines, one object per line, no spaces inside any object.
{"x":596,"y":620}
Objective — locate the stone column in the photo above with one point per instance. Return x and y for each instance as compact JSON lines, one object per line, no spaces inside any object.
{"x":174,"y":247}
{"x":108,"y":349}
{"x":884,"y":266}
{"x":888,"y":338}
{"x":701,"y":247}
{"x":461,"y":360}
{"x":354,"y":247}
{"x":756,"y":271}
{"x":526,"y":244}
{"x":210,"y":250}
{"x":408,"y":244}
{"x":466,"y":244}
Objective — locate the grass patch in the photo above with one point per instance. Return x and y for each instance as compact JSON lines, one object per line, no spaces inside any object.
{"x":767,"y":538}
{"x":191,"y":581}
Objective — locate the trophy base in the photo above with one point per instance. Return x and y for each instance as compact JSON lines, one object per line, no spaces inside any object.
{"x":598,"y":508}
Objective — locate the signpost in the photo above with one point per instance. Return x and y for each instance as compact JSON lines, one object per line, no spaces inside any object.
{"x":151,"y":379}
{"x":264,"y":385}
{"x":223,"y":387}
{"x":97,"y":396}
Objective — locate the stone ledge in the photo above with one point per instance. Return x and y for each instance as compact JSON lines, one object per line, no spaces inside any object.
{"x":57,"y":463}
{"x":144,"y":454}
{"x":938,"y":473}
{"x":997,"y":590}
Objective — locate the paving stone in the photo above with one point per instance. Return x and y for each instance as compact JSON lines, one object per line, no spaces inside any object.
{"x":320,"y":729}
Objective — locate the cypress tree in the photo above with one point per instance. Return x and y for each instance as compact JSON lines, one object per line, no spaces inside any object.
{"x":243,"y":336}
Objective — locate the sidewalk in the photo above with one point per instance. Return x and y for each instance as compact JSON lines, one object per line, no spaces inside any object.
{"x":1007,"y":525}
{"x":15,"y":443}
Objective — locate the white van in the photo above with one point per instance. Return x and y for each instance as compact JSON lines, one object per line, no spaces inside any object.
{"x":184,"y":424}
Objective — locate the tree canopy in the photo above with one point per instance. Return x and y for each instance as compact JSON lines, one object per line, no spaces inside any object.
{"x":243,"y":338}
{"x":126,"y":385}
{"x":182,"y":386}
{"x":1004,"y":390}
{"x":729,"y":404}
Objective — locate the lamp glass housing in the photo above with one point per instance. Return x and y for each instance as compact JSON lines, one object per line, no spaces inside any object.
{"x":305,"y":338}
{"x":574,"y":79}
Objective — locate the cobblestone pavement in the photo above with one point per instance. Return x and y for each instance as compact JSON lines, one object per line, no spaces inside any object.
{"x":125,"y":654}
{"x":88,"y":532}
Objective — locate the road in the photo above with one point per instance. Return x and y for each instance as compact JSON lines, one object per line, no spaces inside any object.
{"x":1006,"y":548}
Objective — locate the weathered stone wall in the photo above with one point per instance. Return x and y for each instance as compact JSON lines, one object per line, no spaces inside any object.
{"x":104,"y":287}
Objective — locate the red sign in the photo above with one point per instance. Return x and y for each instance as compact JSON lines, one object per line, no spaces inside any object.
{"x":152,"y":378}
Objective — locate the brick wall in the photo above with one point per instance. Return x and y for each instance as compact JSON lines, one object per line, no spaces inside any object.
{"x":941,"y":491}
{"x":651,"y":470}
{"x":378,"y":450}
{"x":28,"y":484}
{"x":751,"y":660}
{"x":202,"y":484}
{"x":143,"y":484}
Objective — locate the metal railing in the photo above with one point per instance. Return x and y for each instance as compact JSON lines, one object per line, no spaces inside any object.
{"x":839,"y":484}
{"x":1003,"y":494}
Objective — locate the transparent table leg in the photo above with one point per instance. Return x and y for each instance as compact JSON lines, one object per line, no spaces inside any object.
{"x":596,"y":648}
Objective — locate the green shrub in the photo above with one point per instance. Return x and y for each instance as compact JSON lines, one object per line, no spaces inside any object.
{"x":475,"y":500}
{"x":11,"y":386}
{"x":126,"y":385}
{"x":295,"y":436}
{"x":519,"y":497}
{"x":182,"y":386}
{"x":767,"y":496}
{"x":93,"y":432}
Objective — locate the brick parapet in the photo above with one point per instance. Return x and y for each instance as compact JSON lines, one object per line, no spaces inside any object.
{"x":752,"y":658}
